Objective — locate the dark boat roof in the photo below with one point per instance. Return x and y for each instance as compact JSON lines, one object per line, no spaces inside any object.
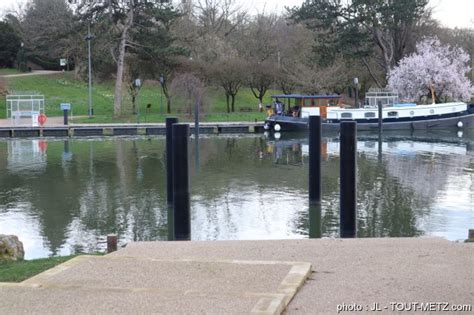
{"x":302,"y":96}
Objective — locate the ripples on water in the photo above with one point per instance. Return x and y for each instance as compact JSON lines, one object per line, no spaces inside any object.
{"x":63,"y":196}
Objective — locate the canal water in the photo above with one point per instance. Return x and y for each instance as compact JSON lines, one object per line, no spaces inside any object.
{"x":63,"y":196}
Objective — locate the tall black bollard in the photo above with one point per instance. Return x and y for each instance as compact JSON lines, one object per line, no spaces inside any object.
{"x":170,"y":223}
{"x":314,"y":159}
{"x":182,"y":215}
{"x":169,"y":160}
{"x":65,"y":114}
{"x":348,"y":151}
{"x":379,"y":105}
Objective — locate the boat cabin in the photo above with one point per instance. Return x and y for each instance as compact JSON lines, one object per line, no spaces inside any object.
{"x":385,"y":97}
{"x":302,"y":106}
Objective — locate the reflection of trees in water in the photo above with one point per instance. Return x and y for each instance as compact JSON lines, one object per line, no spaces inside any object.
{"x":385,"y":207}
{"x":427,"y":174}
{"x":387,"y":204}
{"x":118,"y":186}
{"x":123,"y":196}
{"x":110,"y":186}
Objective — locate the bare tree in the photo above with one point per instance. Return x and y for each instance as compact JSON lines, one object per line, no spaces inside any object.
{"x":191,"y":89}
{"x":230,"y":75}
{"x":260,"y":76}
{"x":258,"y":42}
{"x":316,"y":80}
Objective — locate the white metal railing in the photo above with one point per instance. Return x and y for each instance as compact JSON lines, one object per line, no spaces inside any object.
{"x":24,"y":105}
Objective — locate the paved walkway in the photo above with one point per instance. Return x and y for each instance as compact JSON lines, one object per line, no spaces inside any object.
{"x":27,"y":74}
{"x":256,"y":277}
{"x":58,"y":121}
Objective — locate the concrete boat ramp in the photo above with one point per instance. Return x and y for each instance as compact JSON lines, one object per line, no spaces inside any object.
{"x":325,"y":276}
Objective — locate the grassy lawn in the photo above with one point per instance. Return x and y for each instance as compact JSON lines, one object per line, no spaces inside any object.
{"x":21,"y":270}
{"x":4,"y":71}
{"x":147,"y":118}
{"x":63,"y":88}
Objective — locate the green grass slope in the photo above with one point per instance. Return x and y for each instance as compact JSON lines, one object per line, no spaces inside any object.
{"x":63,"y":88}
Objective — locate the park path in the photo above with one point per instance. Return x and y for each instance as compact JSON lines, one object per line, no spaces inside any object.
{"x":26,"y":122}
{"x":36,"y":72}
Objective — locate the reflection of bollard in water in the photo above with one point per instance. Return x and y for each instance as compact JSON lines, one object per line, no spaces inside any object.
{"x":348,"y":151}
{"x":315,"y":220}
{"x":314,"y":159}
{"x":169,"y":160}
{"x":181,"y":203}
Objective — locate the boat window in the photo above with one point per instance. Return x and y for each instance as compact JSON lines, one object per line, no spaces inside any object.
{"x":431,"y":111}
{"x":392,"y":114}
{"x":412,"y":113}
{"x":369,"y":115}
{"x":346,"y":115}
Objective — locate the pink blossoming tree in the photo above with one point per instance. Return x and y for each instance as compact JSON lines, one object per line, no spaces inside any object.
{"x":434,"y":70}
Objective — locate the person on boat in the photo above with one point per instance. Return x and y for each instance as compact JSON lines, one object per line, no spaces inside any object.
{"x":296,"y":111}
{"x":278,"y":107}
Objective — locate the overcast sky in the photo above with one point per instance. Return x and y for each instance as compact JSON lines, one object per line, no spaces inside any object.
{"x":452,"y":13}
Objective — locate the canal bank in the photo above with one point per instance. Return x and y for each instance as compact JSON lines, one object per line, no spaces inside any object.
{"x":55,"y":128}
{"x":347,"y":276}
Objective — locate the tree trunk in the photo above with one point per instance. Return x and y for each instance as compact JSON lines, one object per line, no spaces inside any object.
{"x":233,"y":102}
{"x":168,"y":104}
{"x":386,"y":48}
{"x":164,"y":88}
{"x":134,"y":105}
{"x":366,"y":63}
{"x":227,"y":102}
{"x":121,"y":64}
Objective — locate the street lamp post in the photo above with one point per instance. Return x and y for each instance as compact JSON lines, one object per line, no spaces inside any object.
{"x":162,"y":82}
{"x":88,"y":39}
{"x":356,"y":83}
{"x":138,"y":83}
{"x":21,"y":59}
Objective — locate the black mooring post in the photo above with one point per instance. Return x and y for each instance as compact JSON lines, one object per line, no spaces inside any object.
{"x":379,"y":105}
{"x":65,"y":112}
{"x":169,"y":160}
{"x":348,"y":151}
{"x":314,"y":159}
{"x":170,"y":223}
{"x":182,"y":215}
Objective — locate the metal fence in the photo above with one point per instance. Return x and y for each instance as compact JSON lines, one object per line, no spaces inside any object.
{"x":24,"y":105}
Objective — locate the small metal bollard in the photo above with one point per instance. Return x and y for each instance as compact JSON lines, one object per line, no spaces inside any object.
{"x":66,"y":118}
{"x":111,"y":243}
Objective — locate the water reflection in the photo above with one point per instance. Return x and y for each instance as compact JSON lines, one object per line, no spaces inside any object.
{"x":314,"y":218}
{"x":63,"y":196}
